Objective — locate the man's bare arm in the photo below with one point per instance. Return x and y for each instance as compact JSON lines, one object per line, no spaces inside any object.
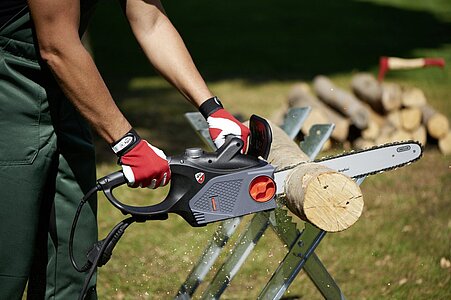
{"x":56,"y":23}
{"x":165,"y":48}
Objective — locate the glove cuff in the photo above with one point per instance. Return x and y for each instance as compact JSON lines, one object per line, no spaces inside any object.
{"x":126,"y":143}
{"x":210,"y":106}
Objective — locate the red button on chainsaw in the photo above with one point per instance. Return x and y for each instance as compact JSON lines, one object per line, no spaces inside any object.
{"x":262,"y":189}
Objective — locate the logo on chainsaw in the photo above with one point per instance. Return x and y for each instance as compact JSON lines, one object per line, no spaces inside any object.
{"x":200,"y":177}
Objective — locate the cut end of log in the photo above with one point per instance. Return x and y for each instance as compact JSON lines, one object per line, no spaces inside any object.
{"x":413,"y":97}
{"x":438,"y":126}
{"x":340,"y":210}
{"x":444,"y":144}
{"x":410,"y":118}
{"x":331,"y":201}
{"x":391,"y":96}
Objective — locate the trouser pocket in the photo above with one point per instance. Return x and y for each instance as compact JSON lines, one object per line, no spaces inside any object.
{"x":20,"y":109}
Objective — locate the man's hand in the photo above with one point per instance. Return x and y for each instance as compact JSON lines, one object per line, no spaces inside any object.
{"x":221,"y":123}
{"x":143,"y":164}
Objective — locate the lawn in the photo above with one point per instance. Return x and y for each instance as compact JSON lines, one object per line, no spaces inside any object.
{"x":251,"y":53}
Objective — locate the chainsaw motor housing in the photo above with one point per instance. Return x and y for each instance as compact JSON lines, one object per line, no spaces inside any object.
{"x":211,"y":189}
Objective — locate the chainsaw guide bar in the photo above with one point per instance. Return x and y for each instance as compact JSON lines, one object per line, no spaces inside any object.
{"x":361,"y":163}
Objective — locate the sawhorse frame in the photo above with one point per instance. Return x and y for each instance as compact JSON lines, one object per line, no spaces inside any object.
{"x":300,"y":244}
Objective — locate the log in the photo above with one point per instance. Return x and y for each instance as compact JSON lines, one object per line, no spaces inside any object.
{"x":321,"y":196}
{"x":279,"y":115}
{"x":382,"y":97}
{"x":362,"y":143}
{"x":410,"y":118}
{"x":444,"y":144}
{"x":315,"y":117}
{"x":374,"y":126}
{"x":343,"y":101}
{"x":300,"y":96}
{"x":391,"y":96}
{"x":400,"y":135}
{"x":420,"y":135}
{"x":386,"y":134}
{"x":436,"y":123}
{"x":372,"y":131}
{"x":394,"y":118}
{"x":413,"y":97}
{"x":366,"y":87}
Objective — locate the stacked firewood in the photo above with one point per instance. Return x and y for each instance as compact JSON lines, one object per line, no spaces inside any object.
{"x":372,"y":113}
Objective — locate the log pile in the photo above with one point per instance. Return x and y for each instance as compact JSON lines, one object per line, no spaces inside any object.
{"x":371,"y":113}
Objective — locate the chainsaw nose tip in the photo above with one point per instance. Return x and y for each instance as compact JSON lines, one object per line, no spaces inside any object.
{"x":262,"y":189}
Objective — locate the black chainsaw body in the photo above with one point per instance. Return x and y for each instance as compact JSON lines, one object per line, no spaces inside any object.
{"x":211,"y":186}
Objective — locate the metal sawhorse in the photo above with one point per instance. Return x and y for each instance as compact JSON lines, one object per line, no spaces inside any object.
{"x":300,"y":244}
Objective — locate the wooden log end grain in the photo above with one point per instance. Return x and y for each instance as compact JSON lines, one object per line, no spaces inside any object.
{"x":420,"y":135}
{"x":372,"y":131}
{"x":391,"y":96}
{"x":444,"y":144}
{"x":438,"y":126}
{"x":410,"y":118}
{"x":362,"y":143}
{"x":413,"y":97}
{"x":394,"y":117}
{"x":436,"y":123}
{"x":400,"y":135}
{"x":329,"y":200}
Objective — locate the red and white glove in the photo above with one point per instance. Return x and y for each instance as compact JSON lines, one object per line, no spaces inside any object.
{"x":143,"y":164}
{"x":221,"y":123}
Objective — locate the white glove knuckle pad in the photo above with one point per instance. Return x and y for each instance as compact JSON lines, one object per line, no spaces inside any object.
{"x":128,"y":173}
{"x":226,"y":126}
{"x":157,"y":151}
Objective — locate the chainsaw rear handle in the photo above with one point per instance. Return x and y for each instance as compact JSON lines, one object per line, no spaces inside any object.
{"x":111,"y":181}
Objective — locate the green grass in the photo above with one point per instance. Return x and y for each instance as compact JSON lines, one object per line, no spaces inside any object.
{"x":251,"y":53}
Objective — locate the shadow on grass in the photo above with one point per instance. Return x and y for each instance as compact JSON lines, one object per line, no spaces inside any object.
{"x":258,"y":41}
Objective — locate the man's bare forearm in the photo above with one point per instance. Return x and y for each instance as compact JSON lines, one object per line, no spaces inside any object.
{"x":81,"y":82}
{"x":56,"y":24}
{"x":165,"y":48}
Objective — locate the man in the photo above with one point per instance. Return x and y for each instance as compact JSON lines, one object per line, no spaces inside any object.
{"x":49,"y":88}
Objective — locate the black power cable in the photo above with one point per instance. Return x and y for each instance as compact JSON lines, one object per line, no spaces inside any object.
{"x":101,"y":251}
{"x":74,"y":225}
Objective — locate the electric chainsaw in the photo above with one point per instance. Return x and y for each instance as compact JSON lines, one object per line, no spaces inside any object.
{"x":208,"y":187}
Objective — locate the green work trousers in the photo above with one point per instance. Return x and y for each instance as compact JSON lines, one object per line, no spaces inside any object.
{"x":46,"y":165}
